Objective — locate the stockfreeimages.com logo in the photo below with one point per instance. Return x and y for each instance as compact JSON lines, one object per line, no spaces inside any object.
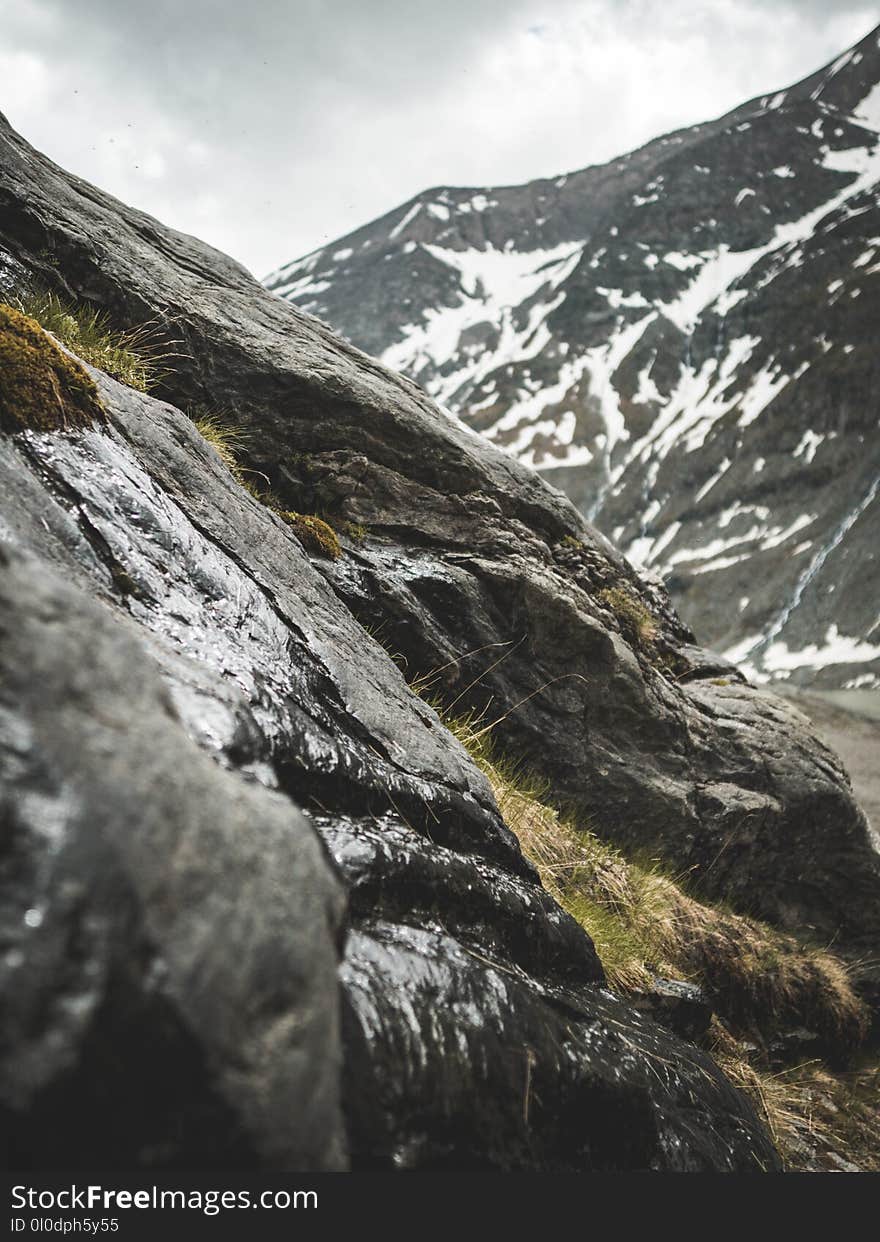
{"x":209,"y":1202}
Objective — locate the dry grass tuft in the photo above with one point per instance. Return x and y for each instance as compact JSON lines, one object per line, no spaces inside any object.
{"x":819,"y":1121}
{"x":645,"y":924}
{"x":635,"y":619}
{"x":223,"y":435}
{"x":760,"y":982}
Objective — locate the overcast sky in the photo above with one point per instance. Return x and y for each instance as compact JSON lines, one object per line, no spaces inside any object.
{"x":268,"y":127}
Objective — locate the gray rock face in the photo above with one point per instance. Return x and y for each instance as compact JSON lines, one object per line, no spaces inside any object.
{"x":169,"y":930}
{"x":184,"y":925}
{"x":476,"y":1030}
{"x":475,"y":567}
{"x":683,"y":340}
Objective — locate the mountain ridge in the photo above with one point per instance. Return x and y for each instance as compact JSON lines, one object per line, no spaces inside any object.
{"x":612,"y":327}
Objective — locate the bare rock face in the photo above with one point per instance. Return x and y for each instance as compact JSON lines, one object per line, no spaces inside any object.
{"x":476,"y":1028}
{"x":169,"y":931}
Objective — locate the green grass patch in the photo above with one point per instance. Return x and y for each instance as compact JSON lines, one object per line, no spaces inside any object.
{"x":636,"y":621}
{"x":136,"y":357}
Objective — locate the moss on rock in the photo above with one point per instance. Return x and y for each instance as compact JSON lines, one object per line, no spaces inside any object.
{"x":354,"y":530}
{"x":635,"y":619}
{"x":133,"y":356}
{"x":41,"y":387}
{"x":314,"y":533}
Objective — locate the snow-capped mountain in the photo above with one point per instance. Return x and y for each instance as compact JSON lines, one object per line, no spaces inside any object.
{"x":686,"y":340}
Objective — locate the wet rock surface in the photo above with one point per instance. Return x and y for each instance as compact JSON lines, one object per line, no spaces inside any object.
{"x":573,"y":1091}
{"x":454,"y":950}
{"x":476,"y":1028}
{"x":471,"y":565}
{"x":169,"y":931}
{"x":683,"y":1007}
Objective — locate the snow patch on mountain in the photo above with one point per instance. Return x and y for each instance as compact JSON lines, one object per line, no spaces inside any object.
{"x":494,"y":285}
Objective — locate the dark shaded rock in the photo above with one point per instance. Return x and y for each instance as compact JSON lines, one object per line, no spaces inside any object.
{"x":458,"y":965}
{"x":575,"y":1090}
{"x":797,"y":1046}
{"x":169,"y":932}
{"x":682,"y":1007}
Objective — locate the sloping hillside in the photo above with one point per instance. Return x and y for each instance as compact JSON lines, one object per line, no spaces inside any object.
{"x":262,"y":908}
{"x":684,"y":340}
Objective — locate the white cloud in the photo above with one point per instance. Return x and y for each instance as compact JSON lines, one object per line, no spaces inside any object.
{"x":273,"y":127}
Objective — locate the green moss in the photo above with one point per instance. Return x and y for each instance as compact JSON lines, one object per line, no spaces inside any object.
{"x":636,"y":621}
{"x":354,"y":530}
{"x":136,"y":357}
{"x":41,"y":387}
{"x":313,"y":533}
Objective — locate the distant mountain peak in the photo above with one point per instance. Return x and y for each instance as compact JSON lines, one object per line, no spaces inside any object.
{"x":685,"y":340}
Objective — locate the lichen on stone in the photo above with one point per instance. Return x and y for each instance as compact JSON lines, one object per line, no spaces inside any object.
{"x":313,"y":533}
{"x":41,"y":387}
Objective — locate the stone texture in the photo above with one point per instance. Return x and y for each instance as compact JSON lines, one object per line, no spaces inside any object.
{"x":169,"y":931}
{"x":475,"y":567}
{"x":210,"y":625}
{"x":683,"y":1007}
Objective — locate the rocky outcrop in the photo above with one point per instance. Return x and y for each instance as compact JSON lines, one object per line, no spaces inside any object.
{"x":169,"y":930}
{"x":180,"y":921}
{"x":629,"y":330}
{"x":476,"y":1031}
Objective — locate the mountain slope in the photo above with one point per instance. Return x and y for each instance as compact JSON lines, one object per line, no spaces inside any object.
{"x":181,"y":675}
{"x":684,"y":340}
